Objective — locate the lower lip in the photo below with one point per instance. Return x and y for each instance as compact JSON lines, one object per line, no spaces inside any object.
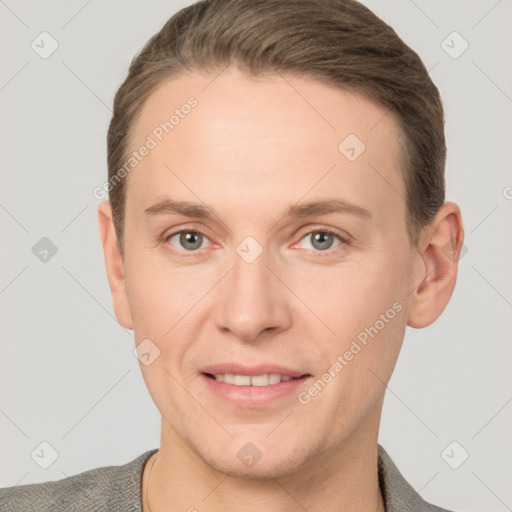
{"x":253,"y":396}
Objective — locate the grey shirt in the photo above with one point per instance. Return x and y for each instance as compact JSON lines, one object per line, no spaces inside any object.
{"x":118,"y":489}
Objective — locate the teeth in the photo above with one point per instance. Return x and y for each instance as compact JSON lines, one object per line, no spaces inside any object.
{"x":229,"y":378}
{"x":274,"y":378}
{"x":242,"y":380}
{"x":259,"y":380}
{"x":252,"y":380}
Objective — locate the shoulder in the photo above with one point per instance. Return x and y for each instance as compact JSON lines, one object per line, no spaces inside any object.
{"x":100,"y":489}
{"x":398,"y":494}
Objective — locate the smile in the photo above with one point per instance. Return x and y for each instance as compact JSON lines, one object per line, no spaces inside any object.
{"x":267,"y":379}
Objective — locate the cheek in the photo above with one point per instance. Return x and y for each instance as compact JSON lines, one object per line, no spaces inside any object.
{"x":162,"y":318}
{"x":352,"y":296}
{"x":362,"y":361}
{"x":165,"y":304}
{"x":158,"y":297}
{"x":364,"y":307}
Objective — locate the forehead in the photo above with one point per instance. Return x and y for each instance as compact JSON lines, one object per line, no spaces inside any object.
{"x":217,"y":135}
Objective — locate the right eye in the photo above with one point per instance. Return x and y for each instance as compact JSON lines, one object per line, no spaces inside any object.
{"x":188,"y":240}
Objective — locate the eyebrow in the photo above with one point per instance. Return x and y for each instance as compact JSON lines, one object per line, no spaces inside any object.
{"x":169,"y":207}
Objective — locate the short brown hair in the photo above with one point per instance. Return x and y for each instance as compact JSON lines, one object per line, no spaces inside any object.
{"x":338,"y":42}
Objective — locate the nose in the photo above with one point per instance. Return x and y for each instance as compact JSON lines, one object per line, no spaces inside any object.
{"x":252,"y":300}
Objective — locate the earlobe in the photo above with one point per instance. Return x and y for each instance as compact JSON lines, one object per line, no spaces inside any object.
{"x":439,"y":251}
{"x":114,"y":264}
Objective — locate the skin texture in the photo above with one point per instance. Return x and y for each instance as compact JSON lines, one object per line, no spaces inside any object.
{"x":251,"y":149}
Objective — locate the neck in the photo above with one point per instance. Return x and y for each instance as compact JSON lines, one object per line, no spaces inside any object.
{"x":343,"y":478}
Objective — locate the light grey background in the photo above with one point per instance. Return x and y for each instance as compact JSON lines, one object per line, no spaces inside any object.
{"x":68,"y":374}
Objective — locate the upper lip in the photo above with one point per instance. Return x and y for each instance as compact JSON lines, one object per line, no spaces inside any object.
{"x":260,"y":369}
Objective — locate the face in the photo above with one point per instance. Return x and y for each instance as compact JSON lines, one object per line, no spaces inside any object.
{"x":262,"y":237}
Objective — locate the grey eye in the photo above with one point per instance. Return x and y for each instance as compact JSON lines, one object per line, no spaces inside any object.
{"x":321,"y":240}
{"x":188,"y":240}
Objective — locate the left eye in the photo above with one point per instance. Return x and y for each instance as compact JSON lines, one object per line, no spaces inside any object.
{"x":322,"y":240}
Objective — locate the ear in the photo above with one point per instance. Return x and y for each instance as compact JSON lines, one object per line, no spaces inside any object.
{"x":439,"y":250}
{"x":114,"y":264}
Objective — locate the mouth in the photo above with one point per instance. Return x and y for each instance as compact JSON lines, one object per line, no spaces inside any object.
{"x":253,"y":387}
{"x":267,"y":379}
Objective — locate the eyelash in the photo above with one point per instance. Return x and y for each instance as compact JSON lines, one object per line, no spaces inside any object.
{"x":343,"y":239}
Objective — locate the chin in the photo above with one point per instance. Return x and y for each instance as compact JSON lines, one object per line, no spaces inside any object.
{"x":262,"y":470}
{"x":248,"y":462}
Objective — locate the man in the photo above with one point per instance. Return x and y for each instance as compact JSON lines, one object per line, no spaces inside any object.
{"x":276,"y":218}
